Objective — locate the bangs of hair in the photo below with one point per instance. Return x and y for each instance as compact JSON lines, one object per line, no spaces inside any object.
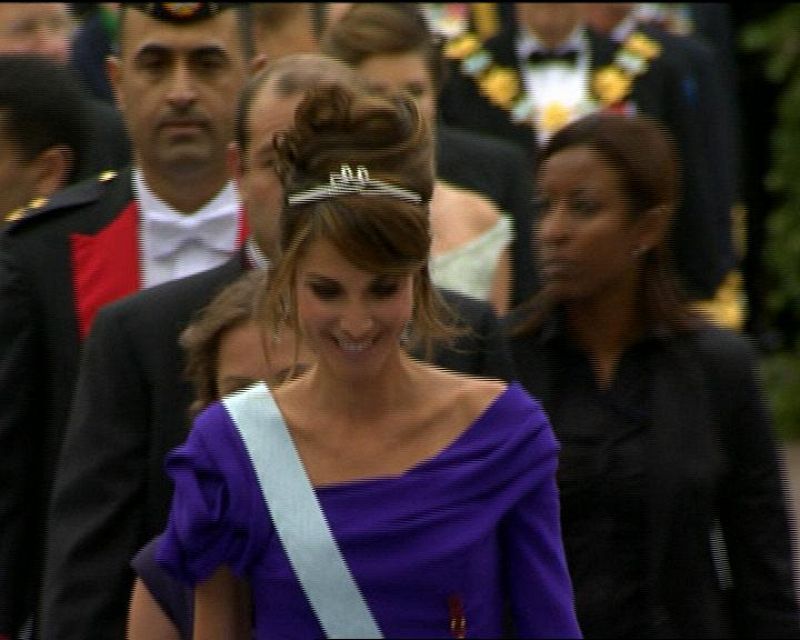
{"x":375,"y":234}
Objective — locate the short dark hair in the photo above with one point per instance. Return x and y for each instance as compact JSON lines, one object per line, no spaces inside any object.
{"x":642,"y":151}
{"x":292,"y":75}
{"x":243,"y":19}
{"x":42,"y":106}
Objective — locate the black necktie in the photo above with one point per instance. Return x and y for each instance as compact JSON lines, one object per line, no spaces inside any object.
{"x":543,"y":57}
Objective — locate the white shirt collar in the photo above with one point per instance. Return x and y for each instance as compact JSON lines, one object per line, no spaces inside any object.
{"x":527,"y":42}
{"x":174,"y":244}
{"x":151,"y":206}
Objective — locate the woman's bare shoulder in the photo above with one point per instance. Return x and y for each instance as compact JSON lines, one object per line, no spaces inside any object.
{"x":478,"y":211}
{"x":470,"y":393}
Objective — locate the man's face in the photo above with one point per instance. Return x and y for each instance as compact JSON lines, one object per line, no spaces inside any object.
{"x":176,"y":86}
{"x":604,"y":16}
{"x":259,"y":186}
{"x":550,"y":22}
{"x":39,"y":28}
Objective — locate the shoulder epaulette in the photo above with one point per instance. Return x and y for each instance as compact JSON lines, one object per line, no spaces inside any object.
{"x":75,"y":195}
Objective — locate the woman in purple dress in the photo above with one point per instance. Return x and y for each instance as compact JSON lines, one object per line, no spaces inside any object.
{"x":439,"y":489}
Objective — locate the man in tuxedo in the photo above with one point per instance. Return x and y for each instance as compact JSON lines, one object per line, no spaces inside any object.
{"x":175,"y":212}
{"x":111,"y":494}
{"x":551,"y":69}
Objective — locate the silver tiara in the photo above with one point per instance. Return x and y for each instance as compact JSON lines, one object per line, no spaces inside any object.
{"x":346,"y":182}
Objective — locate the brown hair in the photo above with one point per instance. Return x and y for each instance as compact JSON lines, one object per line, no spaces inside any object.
{"x":233,"y":306}
{"x":378,"y":28}
{"x":377,"y":233}
{"x":641,"y":150}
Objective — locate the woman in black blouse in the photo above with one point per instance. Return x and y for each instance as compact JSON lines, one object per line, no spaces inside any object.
{"x":673,"y":507}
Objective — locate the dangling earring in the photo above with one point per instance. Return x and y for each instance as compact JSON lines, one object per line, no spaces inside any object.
{"x":405,"y":334}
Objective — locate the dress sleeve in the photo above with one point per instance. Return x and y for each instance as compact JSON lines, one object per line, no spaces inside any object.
{"x":537,"y":579}
{"x":176,"y":600}
{"x":215,"y":498}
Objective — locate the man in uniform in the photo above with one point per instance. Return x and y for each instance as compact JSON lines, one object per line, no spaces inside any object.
{"x":111,"y":494}
{"x":174,"y":213}
{"x":42,"y":130}
{"x":45,"y":29}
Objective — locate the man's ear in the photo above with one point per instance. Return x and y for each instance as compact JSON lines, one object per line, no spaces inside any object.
{"x":114,"y":72}
{"x":52,"y":169}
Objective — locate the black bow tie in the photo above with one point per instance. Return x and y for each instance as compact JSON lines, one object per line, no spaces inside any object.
{"x":543,"y":57}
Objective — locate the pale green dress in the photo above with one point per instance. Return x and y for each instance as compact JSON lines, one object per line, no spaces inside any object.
{"x":470,"y":268}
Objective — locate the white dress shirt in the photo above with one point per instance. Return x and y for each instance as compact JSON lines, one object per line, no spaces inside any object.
{"x":558,"y":85}
{"x":174,"y":244}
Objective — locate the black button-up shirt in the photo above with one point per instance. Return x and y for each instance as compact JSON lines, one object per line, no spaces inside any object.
{"x":603,"y":433}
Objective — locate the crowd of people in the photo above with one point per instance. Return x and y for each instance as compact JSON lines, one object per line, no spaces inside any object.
{"x":377,"y":319}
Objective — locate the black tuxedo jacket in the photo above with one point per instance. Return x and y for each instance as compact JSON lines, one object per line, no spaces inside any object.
{"x":711,"y":458}
{"x":701,"y":260}
{"x":500,"y":171}
{"x":111,"y":493}
{"x":43,"y":286}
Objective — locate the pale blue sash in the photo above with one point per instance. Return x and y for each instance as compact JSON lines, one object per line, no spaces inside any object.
{"x":298,"y":518}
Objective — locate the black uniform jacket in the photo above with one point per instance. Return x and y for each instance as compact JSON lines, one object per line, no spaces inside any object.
{"x":57,"y":266}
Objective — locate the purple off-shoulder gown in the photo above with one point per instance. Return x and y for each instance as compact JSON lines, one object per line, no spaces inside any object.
{"x":478,"y":522}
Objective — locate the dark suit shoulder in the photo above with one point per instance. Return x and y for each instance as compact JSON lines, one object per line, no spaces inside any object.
{"x":69,"y":199}
{"x":174,"y":297}
{"x":491,"y":149}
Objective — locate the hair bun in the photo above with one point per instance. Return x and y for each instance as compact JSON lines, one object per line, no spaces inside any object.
{"x":336,"y":125}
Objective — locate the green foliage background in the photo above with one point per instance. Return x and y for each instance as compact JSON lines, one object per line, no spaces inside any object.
{"x":777,"y":38}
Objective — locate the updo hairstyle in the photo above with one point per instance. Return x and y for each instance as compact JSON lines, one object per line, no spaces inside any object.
{"x":379,"y":234}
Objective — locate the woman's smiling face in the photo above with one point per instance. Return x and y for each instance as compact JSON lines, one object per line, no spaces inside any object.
{"x":351,"y":318}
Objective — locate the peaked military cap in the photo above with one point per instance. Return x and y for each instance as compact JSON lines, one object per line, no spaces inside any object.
{"x":181,"y":12}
